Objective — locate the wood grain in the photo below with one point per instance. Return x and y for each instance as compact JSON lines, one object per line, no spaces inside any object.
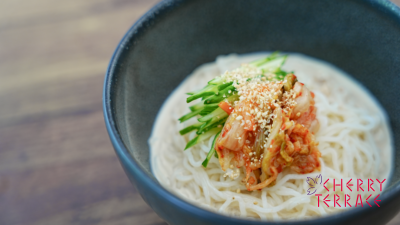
{"x":57,"y":165}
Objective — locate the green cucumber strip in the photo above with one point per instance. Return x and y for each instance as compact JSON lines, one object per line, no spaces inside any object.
{"x":197,"y":106}
{"x":203,"y":137}
{"x":259,"y":62}
{"x":214,"y":99}
{"x":206,"y":112}
{"x":274,"y":65}
{"x":223,"y":86}
{"x":210,"y":106}
{"x":280,"y":74}
{"x":211,"y":124}
{"x":208,"y":87}
{"x":227,"y":89}
{"x":192,"y":142}
{"x":217,"y":112}
{"x":190,"y":128}
{"x":218,"y":98}
{"x":230,"y":87}
{"x":205,"y":109}
{"x":217,"y":81}
{"x":216,"y":121}
{"x":206,"y":91}
{"x":189,"y":115}
{"x":262,"y":61}
{"x":199,"y":95}
{"x":208,"y":109}
{"x":211,"y":152}
{"x":201,"y":128}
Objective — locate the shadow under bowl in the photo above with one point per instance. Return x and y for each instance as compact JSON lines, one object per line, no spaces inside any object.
{"x":361,"y":37}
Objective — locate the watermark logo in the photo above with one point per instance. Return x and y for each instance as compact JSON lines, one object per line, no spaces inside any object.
{"x":368,"y":187}
{"x":313,"y":183}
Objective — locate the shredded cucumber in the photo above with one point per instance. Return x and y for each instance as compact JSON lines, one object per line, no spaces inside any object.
{"x":203,"y":137}
{"x":189,"y":115}
{"x":212,"y":118}
{"x":211,"y":152}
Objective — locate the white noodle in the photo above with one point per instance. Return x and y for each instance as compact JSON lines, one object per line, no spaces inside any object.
{"x":352,"y":128}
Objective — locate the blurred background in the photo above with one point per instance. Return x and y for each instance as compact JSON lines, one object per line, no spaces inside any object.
{"x":57,"y":165}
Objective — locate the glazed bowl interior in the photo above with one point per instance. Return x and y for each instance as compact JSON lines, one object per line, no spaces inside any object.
{"x":360,"y":37}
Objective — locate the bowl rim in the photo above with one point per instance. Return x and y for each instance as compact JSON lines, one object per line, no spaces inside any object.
{"x":385,"y":6}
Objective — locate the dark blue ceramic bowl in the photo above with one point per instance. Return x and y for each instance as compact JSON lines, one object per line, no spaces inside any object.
{"x":361,"y":37}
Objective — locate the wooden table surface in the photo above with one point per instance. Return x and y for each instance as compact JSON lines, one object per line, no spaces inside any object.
{"x":57,"y":165}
